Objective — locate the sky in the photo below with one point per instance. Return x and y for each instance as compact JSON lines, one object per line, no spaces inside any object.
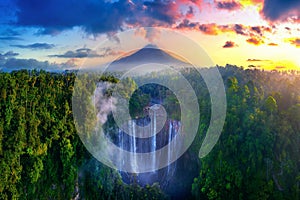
{"x":56,"y":34}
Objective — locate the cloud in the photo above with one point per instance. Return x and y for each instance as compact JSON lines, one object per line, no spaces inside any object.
{"x":7,"y":55}
{"x":96,"y":17}
{"x":105,"y":104}
{"x":280,"y":10}
{"x":209,"y":29}
{"x":272,"y":44}
{"x":25,"y":63}
{"x":280,"y":67}
{"x":257,"y":30}
{"x":10,"y":32}
{"x":55,"y":16}
{"x":149,"y":34}
{"x":112,"y":36}
{"x":253,"y":60}
{"x":256,"y":60}
{"x":228,"y":5}
{"x":295,"y":41}
{"x":229,"y":44}
{"x":164,"y":12}
{"x":87,"y":53}
{"x":295,"y":19}
{"x":110,"y":52}
{"x":10,"y":38}
{"x":190,"y":13}
{"x":215,"y":29}
{"x":10,"y":64}
{"x":255,"y":41}
{"x":10,"y":54}
{"x":35,"y":46}
{"x":254,"y":66}
{"x":186,"y":24}
{"x":239,"y":29}
{"x":78,"y":53}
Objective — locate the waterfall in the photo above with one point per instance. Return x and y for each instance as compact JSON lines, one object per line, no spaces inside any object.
{"x":154,"y":140}
{"x":131,"y":128}
{"x":169,"y":145}
{"x":127,"y":141}
{"x":121,"y":146}
{"x":134,"y":146}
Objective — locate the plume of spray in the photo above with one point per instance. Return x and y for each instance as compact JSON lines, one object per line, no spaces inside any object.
{"x":103,"y":102}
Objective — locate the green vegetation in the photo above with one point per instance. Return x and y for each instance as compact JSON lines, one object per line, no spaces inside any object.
{"x":257,"y":156}
{"x":41,"y":155}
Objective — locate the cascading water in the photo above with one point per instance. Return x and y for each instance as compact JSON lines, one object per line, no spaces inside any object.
{"x":121,"y":145}
{"x":170,"y":146}
{"x":132,"y":143}
{"x":157,"y":135}
{"x":134,"y":162}
{"x":129,"y":142}
{"x":154,"y":139}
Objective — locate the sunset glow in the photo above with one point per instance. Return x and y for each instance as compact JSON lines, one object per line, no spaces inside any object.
{"x":255,"y":33}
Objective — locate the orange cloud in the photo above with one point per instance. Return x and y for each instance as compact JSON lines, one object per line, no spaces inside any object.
{"x":209,"y":29}
{"x":255,"y":41}
{"x":215,"y":29}
{"x":294,"y":41}
{"x":272,"y":44}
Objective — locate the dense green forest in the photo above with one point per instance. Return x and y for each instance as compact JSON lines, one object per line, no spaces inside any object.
{"x":257,"y":156}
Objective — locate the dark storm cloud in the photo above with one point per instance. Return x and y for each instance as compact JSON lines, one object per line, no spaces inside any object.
{"x":56,"y":15}
{"x":229,"y":44}
{"x":35,"y":46}
{"x":161,"y":11}
{"x":228,"y":5}
{"x":275,"y":10}
{"x":95,"y":17}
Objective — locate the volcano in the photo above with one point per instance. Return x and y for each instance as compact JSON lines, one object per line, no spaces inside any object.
{"x":148,"y":54}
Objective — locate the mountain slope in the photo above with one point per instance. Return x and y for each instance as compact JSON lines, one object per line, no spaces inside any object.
{"x":146,"y":55}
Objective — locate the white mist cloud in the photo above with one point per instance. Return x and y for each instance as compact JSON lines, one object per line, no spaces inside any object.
{"x":104,"y":104}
